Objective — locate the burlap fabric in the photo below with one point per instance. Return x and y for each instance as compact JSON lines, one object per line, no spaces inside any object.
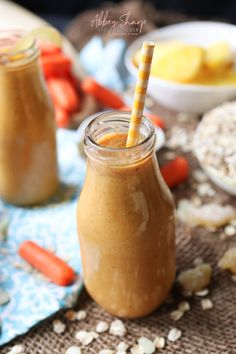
{"x":212,"y":331}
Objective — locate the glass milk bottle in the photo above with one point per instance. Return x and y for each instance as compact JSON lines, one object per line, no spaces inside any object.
{"x":28,"y":154}
{"x":126,"y":220}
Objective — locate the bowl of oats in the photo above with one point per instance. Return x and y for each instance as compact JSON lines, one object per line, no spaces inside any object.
{"x":215,"y":146}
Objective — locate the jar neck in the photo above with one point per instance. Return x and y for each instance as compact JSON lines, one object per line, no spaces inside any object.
{"x":112,"y":123}
{"x":10,"y":60}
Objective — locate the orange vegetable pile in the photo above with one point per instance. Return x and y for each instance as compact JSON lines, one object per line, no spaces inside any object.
{"x":66,"y":90}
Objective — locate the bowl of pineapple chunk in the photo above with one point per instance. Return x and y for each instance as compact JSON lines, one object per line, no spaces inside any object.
{"x":193,"y":67}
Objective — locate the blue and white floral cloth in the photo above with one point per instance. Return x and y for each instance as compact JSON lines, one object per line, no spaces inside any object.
{"x":105,"y":62}
{"x":52,"y":226}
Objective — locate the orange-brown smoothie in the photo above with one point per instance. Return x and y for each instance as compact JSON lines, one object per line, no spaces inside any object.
{"x":28,"y":159}
{"x":126,"y":228}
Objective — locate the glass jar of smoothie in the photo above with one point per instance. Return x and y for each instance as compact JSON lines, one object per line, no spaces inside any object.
{"x":126,"y":220}
{"x":28,"y":154}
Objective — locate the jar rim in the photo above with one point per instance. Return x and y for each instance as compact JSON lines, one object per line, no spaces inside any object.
{"x":110,"y":122}
{"x":29,"y":53}
{"x":113,"y":149}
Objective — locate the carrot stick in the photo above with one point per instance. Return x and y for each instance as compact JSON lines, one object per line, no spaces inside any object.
{"x":47,"y":263}
{"x":64,"y":94}
{"x":175,"y":172}
{"x":107,"y":97}
{"x":156,"y":120}
{"x":55,"y":65}
{"x":153,"y":117}
{"x":47,"y":48}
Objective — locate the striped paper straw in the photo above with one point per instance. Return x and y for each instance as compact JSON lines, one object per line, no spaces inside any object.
{"x":140,"y":93}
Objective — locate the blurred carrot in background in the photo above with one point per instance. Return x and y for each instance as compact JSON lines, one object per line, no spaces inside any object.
{"x":105,"y":96}
{"x":175,"y":172}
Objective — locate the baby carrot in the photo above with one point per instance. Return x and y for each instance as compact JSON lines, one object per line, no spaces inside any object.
{"x":55,"y":65}
{"x":175,"y":172}
{"x":63,"y":94}
{"x":47,"y":263}
{"x":47,"y":48}
{"x":153,"y":117}
{"x":156,"y":120}
{"x":107,"y":97}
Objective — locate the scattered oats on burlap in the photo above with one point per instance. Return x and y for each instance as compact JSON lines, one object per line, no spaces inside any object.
{"x":81,"y":315}
{"x":206,"y":304}
{"x":122,"y":347}
{"x":17,"y":349}
{"x":73,"y":350}
{"x":85,"y":337}
{"x":147,"y":345}
{"x":117,"y":328}
{"x":176,"y":315}
{"x":102,"y":326}
{"x":136,"y":349}
{"x":230,"y":230}
{"x":58,"y":327}
{"x":174,"y":334}
{"x":184,"y":306}
{"x":159,"y":342}
{"x":201,"y":293}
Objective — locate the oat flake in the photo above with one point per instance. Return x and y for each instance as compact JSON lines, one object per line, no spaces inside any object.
{"x":233,"y":277}
{"x":81,"y":315}
{"x":58,"y":326}
{"x":17,"y":349}
{"x":174,"y":334}
{"x":159,"y":342}
{"x":137,"y":349}
{"x":122,"y":347}
{"x":206,"y":304}
{"x":102,"y":326}
{"x":73,"y":350}
{"x":203,"y":292}
{"x":230,"y":230}
{"x":117,"y":328}
{"x":147,"y":345}
{"x":176,"y":315}
{"x":84,"y":337}
{"x":184,"y":306}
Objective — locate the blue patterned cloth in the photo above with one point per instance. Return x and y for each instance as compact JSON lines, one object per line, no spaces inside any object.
{"x":52,"y":226}
{"x":105,"y":62}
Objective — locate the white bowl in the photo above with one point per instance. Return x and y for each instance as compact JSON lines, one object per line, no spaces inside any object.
{"x":226,"y":184}
{"x":187,"y":97}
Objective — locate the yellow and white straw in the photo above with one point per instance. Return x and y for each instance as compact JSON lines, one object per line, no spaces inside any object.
{"x":140,"y":93}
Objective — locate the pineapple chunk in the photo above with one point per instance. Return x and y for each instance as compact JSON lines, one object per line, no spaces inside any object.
{"x":195,"y":279}
{"x":228,"y":261}
{"x":180,"y":63}
{"x":218,"y":56}
{"x":160,"y":50}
